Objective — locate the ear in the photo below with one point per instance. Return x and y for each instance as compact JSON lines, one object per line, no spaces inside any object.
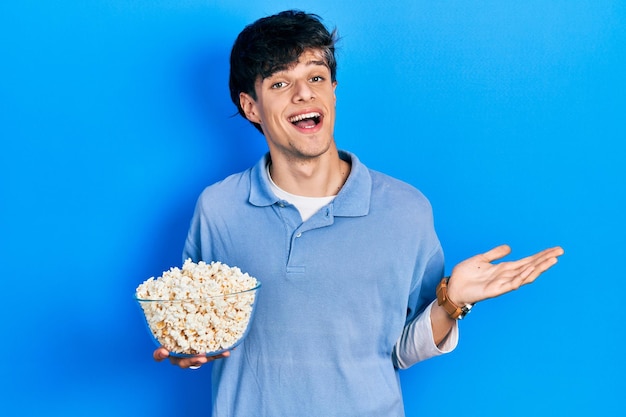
{"x":249,"y":107}
{"x":335,"y":91}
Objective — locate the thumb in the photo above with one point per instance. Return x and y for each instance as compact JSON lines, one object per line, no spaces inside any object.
{"x":160,"y":354}
{"x":496,"y":253}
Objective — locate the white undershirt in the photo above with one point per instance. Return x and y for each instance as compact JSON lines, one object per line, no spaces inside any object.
{"x":307,"y":206}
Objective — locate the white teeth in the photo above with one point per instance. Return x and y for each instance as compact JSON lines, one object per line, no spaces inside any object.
{"x":299,"y":117}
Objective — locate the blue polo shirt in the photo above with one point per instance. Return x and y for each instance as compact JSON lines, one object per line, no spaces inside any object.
{"x":337,"y":292}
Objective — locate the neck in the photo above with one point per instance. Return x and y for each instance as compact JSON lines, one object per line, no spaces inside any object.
{"x":316,"y":177}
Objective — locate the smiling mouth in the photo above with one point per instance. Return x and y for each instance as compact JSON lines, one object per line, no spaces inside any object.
{"x":306,"y":120}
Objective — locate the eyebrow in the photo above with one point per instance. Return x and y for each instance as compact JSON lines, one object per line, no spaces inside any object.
{"x":316,"y":62}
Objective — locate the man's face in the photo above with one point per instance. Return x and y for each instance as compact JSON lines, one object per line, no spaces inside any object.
{"x":296,"y":108}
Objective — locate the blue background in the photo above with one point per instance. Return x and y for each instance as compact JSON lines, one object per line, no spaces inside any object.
{"x":508,"y":115}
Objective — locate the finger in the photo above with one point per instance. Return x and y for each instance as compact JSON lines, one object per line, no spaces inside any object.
{"x":220,"y":356}
{"x":540,"y":260}
{"x":197,"y":361}
{"x":546,"y":264}
{"x":557,"y":251}
{"x":188,"y":362}
{"x":160,"y":354}
{"x":532,"y":272}
{"x":497,"y":253}
{"x":513,"y":279}
{"x":541,"y":256}
{"x":544,"y":260}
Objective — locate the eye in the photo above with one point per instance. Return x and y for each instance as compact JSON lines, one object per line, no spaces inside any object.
{"x":317,"y":79}
{"x":279,"y":84}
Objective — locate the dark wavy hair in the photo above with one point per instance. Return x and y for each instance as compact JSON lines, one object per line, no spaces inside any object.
{"x":272,"y":44}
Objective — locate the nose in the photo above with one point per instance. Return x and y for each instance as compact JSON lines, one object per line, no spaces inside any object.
{"x":303,"y":91}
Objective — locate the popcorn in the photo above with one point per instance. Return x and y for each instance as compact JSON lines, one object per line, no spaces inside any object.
{"x":201,"y":308}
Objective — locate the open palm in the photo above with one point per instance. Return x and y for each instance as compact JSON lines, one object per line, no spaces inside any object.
{"x":478,"y":278}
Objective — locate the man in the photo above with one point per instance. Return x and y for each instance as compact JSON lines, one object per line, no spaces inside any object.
{"x":351,"y":267}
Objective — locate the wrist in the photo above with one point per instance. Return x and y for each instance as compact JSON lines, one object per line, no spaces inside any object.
{"x":452,"y":292}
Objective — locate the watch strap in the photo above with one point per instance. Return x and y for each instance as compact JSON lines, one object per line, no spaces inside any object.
{"x":454,"y":311}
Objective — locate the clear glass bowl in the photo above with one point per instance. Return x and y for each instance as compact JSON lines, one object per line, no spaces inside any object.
{"x":206,"y":326}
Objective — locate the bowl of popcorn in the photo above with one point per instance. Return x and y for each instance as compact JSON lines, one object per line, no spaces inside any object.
{"x":199,"y":309}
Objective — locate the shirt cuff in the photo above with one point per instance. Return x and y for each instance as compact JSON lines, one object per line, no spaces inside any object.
{"x":417,"y":342}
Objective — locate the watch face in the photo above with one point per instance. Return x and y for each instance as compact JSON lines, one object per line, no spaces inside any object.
{"x":465,"y":309}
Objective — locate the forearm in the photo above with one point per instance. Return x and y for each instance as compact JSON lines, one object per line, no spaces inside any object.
{"x":441,"y":323}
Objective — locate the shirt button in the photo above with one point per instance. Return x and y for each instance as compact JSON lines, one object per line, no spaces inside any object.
{"x":299,"y":234}
{"x":281,"y":205}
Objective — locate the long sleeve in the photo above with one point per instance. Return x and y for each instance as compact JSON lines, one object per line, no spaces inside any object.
{"x":417,"y":343}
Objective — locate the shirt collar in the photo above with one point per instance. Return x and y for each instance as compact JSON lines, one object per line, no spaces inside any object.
{"x":353,"y":199}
